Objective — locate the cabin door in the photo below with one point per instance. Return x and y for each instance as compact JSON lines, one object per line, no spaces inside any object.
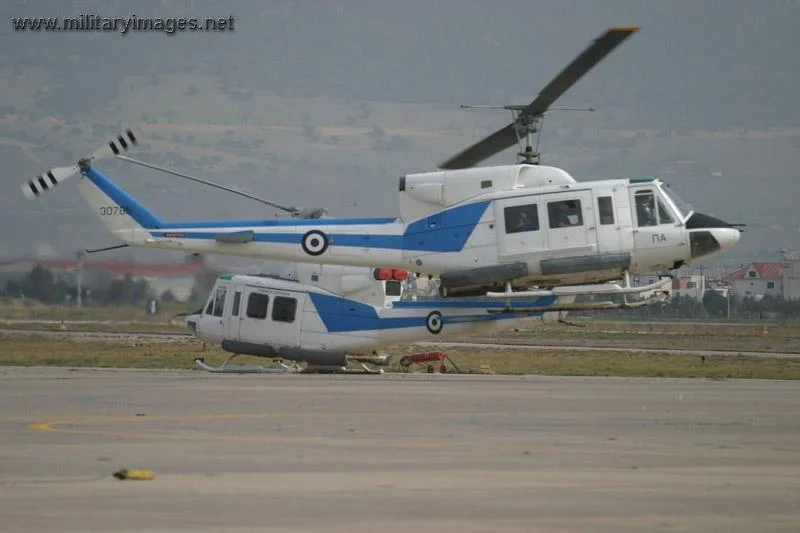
{"x":519,"y":228}
{"x":285,"y":318}
{"x":270,"y":317}
{"x":608,"y":218}
{"x":569,"y":217}
{"x":234,"y":316}
{"x":213,"y":326}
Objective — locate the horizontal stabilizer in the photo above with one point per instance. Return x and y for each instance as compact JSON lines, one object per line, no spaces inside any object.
{"x":235,"y":237}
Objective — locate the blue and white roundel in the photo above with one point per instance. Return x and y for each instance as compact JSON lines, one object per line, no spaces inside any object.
{"x":434,"y":322}
{"x":314,"y":242}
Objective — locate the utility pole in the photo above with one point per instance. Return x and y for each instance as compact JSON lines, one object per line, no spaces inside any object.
{"x":79,"y":278}
{"x":729,"y":302}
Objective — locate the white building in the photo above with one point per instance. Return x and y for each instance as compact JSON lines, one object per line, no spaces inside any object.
{"x":790,"y":278}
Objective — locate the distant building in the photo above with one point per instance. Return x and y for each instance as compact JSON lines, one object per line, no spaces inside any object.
{"x":758,"y":279}
{"x":693,"y":286}
{"x":791,"y":279}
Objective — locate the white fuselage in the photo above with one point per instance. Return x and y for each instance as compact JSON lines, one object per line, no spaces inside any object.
{"x":265,"y":311}
{"x":522,"y":223}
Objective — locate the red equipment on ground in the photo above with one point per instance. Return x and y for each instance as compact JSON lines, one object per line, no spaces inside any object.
{"x":435,"y":362}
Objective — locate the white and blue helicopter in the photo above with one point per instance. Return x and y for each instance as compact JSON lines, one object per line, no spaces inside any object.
{"x":516,"y":231}
{"x":329,"y":316}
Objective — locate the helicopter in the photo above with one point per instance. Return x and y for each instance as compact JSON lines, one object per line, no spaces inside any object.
{"x":343,"y":316}
{"x":507,"y":231}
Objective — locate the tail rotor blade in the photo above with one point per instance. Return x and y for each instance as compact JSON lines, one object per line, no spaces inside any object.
{"x":44,"y":182}
{"x":48,"y":180}
{"x":122,"y":143}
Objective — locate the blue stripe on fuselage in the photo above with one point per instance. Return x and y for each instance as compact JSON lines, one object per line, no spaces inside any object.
{"x":446,"y":231}
{"x":341,"y":315}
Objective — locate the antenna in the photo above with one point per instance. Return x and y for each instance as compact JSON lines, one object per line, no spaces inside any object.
{"x":294,"y":211}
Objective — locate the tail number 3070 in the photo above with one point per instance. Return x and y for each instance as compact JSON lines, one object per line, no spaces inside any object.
{"x":114,"y":210}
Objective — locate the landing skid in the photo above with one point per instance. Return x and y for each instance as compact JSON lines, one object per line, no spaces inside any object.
{"x":227,"y":368}
{"x":282,"y":368}
{"x":342,"y":370}
{"x":632,"y":297}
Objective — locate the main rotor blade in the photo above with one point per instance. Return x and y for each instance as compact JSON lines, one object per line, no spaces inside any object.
{"x":206,"y":182}
{"x":483,"y":149}
{"x":505,"y":137}
{"x":579,"y":67}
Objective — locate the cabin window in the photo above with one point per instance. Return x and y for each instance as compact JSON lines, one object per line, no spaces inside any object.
{"x":565,"y":214}
{"x":210,"y":306}
{"x":257,"y":305}
{"x":770,"y":284}
{"x":219,"y":301}
{"x":485,"y":184}
{"x":284,"y":309}
{"x":236,"y":297}
{"x":606,"y":210}
{"x":645,"y":209}
{"x":521,"y":218}
{"x":393,"y":288}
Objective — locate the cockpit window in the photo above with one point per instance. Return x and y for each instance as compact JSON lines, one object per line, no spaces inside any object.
{"x":684,"y":208}
{"x":219,"y":300}
{"x":651,"y":210}
{"x":646,"y":209}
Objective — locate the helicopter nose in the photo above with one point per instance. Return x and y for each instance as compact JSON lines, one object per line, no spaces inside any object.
{"x":726,"y":237}
{"x":709,"y":235}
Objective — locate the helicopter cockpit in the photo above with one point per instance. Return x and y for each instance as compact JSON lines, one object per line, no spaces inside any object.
{"x":656,"y":204}
{"x":681,"y":207}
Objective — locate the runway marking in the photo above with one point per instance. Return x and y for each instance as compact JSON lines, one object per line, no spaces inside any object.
{"x":451,"y":443}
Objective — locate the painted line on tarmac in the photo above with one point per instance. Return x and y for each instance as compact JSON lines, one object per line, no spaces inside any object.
{"x":675,"y":351}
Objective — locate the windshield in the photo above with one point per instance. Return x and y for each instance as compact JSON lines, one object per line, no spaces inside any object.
{"x":684,"y":209}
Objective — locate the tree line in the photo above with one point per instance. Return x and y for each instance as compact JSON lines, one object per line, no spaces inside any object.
{"x":40,"y":284}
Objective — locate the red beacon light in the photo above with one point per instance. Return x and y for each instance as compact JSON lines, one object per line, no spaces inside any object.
{"x":386,"y":274}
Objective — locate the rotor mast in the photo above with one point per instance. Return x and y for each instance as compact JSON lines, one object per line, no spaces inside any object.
{"x":527,"y":119}
{"x":525,"y":125}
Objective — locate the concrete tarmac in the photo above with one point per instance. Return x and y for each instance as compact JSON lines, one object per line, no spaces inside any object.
{"x":524,"y":344}
{"x":394,"y":453}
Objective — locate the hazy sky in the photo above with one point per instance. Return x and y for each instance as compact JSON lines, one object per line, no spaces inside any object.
{"x":703,"y":64}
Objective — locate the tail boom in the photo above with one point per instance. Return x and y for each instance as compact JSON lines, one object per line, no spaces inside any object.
{"x":353,"y":241}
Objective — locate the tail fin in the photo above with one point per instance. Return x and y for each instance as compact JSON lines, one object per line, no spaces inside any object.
{"x":122,"y":214}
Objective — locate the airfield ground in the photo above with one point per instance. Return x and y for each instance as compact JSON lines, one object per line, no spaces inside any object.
{"x":395,"y":453}
{"x":655,"y":349}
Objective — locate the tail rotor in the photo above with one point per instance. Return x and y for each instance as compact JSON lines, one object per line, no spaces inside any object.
{"x":46,"y":181}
